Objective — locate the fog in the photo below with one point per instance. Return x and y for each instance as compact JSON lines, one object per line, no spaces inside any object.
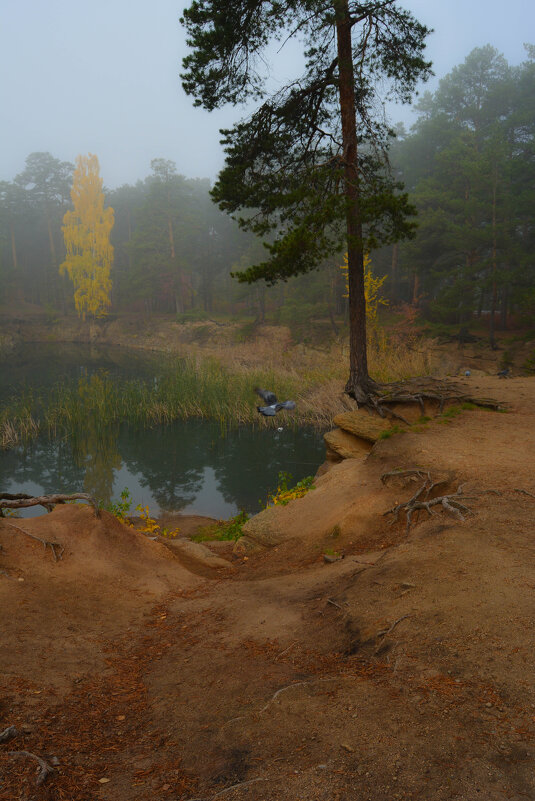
{"x":104,"y":78}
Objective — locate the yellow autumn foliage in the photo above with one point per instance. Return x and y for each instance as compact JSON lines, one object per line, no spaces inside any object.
{"x":86,"y":231}
{"x":372,"y":285}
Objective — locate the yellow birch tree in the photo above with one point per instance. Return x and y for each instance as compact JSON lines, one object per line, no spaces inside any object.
{"x":372,"y":286}
{"x":86,"y":231}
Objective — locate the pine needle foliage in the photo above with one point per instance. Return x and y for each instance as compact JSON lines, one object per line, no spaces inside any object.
{"x":308,"y":170}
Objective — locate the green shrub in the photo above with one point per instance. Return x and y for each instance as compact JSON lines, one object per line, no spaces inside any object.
{"x":227,"y":530}
{"x":192,"y":316}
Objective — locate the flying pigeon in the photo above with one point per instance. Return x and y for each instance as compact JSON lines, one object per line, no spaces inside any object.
{"x":272,"y":404}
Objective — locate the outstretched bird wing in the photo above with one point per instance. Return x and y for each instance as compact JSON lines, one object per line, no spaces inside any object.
{"x":268,"y":397}
{"x":267,"y":411}
{"x":284,"y":405}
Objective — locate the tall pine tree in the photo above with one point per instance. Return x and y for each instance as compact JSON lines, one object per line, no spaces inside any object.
{"x":309,"y":167}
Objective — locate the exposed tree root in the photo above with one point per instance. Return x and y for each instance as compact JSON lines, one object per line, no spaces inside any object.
{"x":8,"y":734}
{"x":525,"y":492}
{"x":240,"y":784}
{"x":380,"y":397}
{"x":45,"y":768}
{"x":21,"y":500}
{"x":232,"y":787}
{"x":452,"y":503}
{"x":391,"y":628}
{"x":384,"y":634}
{"x":45,"y":543}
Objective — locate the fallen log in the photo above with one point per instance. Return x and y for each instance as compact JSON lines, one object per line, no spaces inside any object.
{"x":20,"y":500}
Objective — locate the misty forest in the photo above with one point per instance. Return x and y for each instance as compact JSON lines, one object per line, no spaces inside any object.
{"x":467,"y":164}
{"x":267,"y":439}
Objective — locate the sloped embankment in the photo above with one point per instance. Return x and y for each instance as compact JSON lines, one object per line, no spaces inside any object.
{"x":403,"y":670}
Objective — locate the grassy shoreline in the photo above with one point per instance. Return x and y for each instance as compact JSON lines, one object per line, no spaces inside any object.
{"x":211,"y":385}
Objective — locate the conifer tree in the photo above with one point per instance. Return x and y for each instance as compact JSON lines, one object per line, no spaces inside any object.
{"x":86,"y":231}
{"x":309,"y":167}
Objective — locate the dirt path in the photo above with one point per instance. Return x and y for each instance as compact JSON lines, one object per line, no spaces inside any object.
{"x":402,"y":671}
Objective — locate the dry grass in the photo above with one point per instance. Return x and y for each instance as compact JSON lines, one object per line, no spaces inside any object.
{"x":17,"y":430}
{"x":316,"y":376}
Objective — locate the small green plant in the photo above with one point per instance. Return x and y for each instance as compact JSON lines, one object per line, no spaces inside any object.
{"x":285,"y":493}
{"x":529,"y":364}
{"x":451,"y":412}
{"x":121,"y":509}
{"x":227,"y":530}
{"x":389,"y":432}
{"x":151,"y":526}
{"x":9,"y":513}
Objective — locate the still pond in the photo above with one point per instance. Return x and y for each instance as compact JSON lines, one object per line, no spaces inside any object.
{"x":192,"y":466}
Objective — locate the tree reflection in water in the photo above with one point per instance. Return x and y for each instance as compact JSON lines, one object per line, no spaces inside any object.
{"x":187,"y":464}
{"x":167,"y":467}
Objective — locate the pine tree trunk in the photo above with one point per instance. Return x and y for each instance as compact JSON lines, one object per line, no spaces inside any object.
{"x":492,"y":339}
{"x":394,"y":273}
{"x":415,"y":290}
{"x":14,"y":248}
{"x":504,"y":308}
{"x":171,"y":237}
{"x":359,"y":384}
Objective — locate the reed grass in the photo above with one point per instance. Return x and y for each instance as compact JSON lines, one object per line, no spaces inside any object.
{"x":218,"y":386}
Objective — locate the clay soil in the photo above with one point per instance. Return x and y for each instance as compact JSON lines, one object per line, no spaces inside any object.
{"x":404,"y":670}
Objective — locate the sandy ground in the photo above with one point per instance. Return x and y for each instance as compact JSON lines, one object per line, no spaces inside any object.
{"x":404,"y":670}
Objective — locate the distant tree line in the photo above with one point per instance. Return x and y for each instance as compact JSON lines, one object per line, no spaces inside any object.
{"x":173,"y":249}
{"x":469,"y":167}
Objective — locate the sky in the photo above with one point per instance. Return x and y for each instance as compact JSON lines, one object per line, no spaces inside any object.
{"x":102,"y":77}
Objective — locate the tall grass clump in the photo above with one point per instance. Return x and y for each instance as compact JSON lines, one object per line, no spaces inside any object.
{"x":395,"y":360}
{"x":193,"y":387}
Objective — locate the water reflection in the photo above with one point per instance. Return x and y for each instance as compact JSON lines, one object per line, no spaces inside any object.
{"x":186,"y":465}
{"x":43,"y":364}
{"x":190,"y":466}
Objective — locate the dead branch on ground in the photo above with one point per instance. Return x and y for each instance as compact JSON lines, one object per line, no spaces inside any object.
{"x":20,"y":500}
{"x":295,"y":684}
{"x":45,"y":768}
{"x":45,"y":543}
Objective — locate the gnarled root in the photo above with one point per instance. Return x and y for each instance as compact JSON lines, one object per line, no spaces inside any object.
{"x":44,"y":768}
{"x":45,"y":543}
{"x":379,"y":397}
{"x":452,"y":503}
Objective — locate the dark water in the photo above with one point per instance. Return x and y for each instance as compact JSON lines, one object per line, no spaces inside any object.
{"x":40,"y":365}
{"x":190,"y":466}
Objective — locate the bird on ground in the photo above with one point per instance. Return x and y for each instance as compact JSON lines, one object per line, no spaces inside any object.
{"x":503,"y":373}
{"x":272,"y":404}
